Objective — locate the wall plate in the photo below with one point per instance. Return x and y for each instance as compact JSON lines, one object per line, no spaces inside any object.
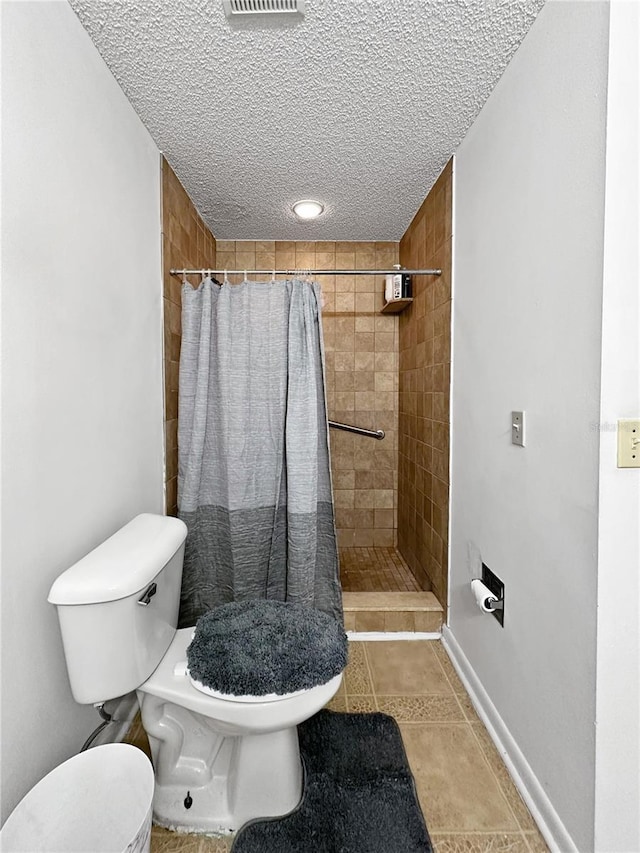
{"x":493,"y":582}
{"x":628,"y":443}
{"x":517,"y":428}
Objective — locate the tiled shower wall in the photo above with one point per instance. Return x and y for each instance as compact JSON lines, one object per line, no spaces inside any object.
{"x":187,"y":243}
{"x":362,"y":369}
{"x":391,"y":492}
{"x":425,"y":369}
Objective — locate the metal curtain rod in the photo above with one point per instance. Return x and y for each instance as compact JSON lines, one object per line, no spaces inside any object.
{"x":307,"y":272}
{"x":371,"y":433}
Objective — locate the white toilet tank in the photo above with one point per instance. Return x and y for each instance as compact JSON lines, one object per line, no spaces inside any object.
{"x":113,"y":641}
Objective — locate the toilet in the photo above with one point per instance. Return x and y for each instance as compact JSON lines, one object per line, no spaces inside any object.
{"x":219,"y":760}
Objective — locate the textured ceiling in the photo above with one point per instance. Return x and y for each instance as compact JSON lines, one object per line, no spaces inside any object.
{"x":360,"y":104}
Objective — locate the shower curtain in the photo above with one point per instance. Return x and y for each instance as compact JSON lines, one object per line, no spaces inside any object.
{"x":254,"y":482}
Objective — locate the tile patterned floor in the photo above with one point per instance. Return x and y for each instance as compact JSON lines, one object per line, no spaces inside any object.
{"x":468,"y":799}
{"x":375,"y":570}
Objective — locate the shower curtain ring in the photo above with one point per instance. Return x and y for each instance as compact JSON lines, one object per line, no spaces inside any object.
{"x":225,"y":280}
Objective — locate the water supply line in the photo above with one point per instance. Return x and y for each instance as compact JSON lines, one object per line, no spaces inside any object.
{"x":106,"y":717}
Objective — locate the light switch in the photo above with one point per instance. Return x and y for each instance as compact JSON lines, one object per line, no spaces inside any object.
{"x":628,"y":443}
{"x":517,"y":428}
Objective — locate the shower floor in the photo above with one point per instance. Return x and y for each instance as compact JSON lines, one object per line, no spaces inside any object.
{"x":375,"y":569}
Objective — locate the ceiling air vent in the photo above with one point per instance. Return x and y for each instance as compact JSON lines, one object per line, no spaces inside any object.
{"x":233,"y":8}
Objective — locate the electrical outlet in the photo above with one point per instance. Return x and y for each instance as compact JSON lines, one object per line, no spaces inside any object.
{"x":493,"y":582}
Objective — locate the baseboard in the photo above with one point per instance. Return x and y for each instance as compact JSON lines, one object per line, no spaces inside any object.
{"x":382,"y":636}
{"x":525,"y":780}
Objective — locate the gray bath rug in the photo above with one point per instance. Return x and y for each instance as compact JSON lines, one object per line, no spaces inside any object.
{"x":359,"y":794}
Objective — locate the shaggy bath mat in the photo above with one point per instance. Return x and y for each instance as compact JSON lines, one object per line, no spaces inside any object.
{"x":359,"y":795}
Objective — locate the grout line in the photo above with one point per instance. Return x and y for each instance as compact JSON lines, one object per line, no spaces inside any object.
{"x":433,"y":722}
{"x":487,"y":832}
{"x":369,"y":670}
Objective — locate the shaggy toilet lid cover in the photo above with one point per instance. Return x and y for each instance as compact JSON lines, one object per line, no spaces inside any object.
{"x":260,"y":647}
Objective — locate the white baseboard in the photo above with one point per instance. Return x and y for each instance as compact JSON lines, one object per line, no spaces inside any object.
{"x":525,"y":780}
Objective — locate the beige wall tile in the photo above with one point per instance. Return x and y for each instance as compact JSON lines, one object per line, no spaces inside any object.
{"x":344,"y":302}
{"x":364,"y":342}
{"x":187,"y":243}
{"x":305,"y":260}
{"x":285,"y":260}
{"x":345,"y":284}
{"x":364,"y":537}
{"x":424,"y":346}
{"x":363,"y":360}
{"x":370,"y":621}
{"x":399,"y":620}
{"x":349,"y":620}
{"x":345,"y":538}
{"x":226,"y":260}
{"x":265,"y":261}
{"x":343,"y":497}
{"x":267,"y":246}
{"x":384,"y":537}
{"x":426,"y":621}
{"x":325,"y":260}
{"x":350,"y":344}
{"x":364,"y":302}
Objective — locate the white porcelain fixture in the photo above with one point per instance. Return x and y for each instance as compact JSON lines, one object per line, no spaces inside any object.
{"x":219,"y":762}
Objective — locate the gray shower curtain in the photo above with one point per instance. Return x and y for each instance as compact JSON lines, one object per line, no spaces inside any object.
{"x":254,"y":483}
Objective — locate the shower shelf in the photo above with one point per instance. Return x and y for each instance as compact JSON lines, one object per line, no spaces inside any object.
{"x":395,"y":306}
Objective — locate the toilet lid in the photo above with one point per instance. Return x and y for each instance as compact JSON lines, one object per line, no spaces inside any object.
{"x":230,"y":697}
{"x":263,"y":650}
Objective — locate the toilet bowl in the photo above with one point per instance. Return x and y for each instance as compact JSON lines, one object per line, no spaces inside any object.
{"x":219,"y":760}
{"x":252,"y":764}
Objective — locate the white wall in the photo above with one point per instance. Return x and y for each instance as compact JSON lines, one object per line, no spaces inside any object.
{"x":617,"y":818}
{"x":82,"y":374}
{"x":528,"y":255}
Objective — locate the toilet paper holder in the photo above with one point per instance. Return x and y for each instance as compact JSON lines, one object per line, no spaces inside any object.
{"x":489,"y":593}
{"x":486,"y":599}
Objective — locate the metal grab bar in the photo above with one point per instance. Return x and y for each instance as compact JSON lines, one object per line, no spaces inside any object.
{"x":371,"y":433}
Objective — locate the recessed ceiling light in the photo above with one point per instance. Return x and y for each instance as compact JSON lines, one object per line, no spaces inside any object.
{"x":308,"y":209}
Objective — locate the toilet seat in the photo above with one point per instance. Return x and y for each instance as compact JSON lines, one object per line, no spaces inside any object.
{"x":252,"y":714}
